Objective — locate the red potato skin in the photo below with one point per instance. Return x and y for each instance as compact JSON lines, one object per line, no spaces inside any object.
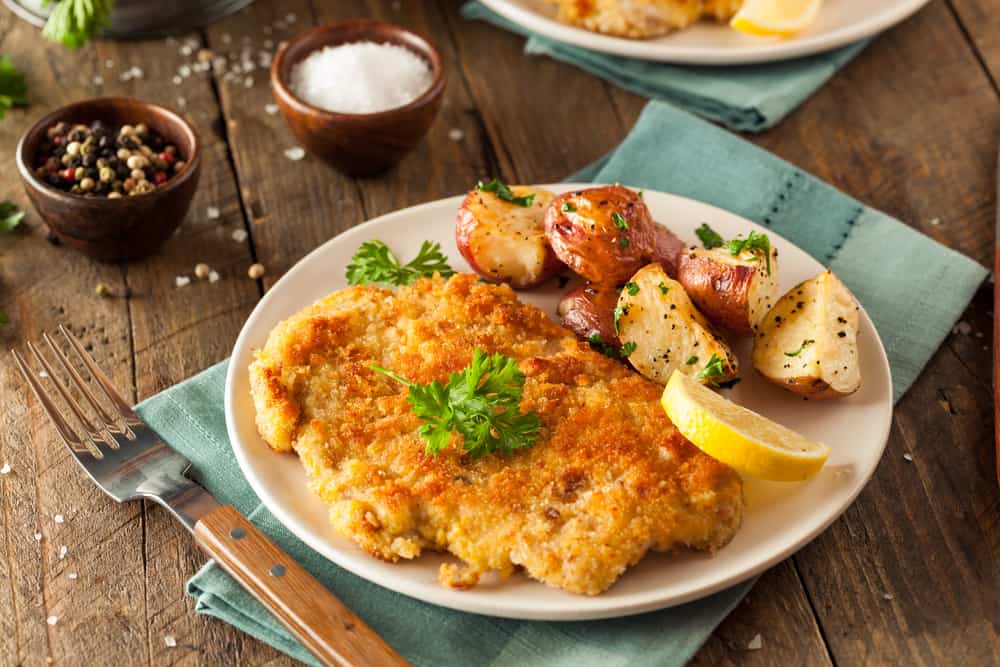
{"x":721,"y":291}
{"x":588,"y":241}
{"x":590,"y":309}
{"x":465,"y":225}
{"x":668,"y":248}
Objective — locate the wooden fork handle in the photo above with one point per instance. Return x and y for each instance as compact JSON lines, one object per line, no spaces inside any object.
{"x":321,"y":622}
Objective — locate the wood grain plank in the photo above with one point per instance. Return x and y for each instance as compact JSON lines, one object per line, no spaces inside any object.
{"x":981,"y":22}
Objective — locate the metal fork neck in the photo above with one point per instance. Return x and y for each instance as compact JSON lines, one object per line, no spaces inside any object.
{"x":187,"y":500}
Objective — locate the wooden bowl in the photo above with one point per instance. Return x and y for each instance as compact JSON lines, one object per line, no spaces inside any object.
{"x":357,"y":144}
{"x":113,"y":230}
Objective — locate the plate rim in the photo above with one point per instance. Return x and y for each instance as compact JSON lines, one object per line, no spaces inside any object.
{"x":567,"y":612}
{"x":766,"y":51}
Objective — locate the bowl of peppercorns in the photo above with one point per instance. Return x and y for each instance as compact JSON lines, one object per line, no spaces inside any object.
{"x":112,"y":177}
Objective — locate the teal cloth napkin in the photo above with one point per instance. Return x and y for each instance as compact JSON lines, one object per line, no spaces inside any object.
{"x":914,"y":292}
{"x":748,"y":98}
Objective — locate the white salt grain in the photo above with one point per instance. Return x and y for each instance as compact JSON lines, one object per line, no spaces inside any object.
{"x":213,"y":276}
{"x":98,"y":80}
{"x":71,"y":575}
{"x":52,"y":620}
{"x":295,"y":153}
{"x":182,"y":281}
{"x":177,"y":80}
{"x":908,"y":457}
{"x":248,"y":82}
{"x":888,"y":596}
{"x":170,"y":641}
{"x":42,"y":374}
{"x":38,"y":537}
{"x":756,"y":643}
{"x":963,"y":328}
{"x":58,"y":518}
{"x":5,"y":470}
{"x":63,"y":551}
{"x":212,"y":212}
{"x":239,"y":235}
{"x":362,"y":77}
{"x":271,"y":109}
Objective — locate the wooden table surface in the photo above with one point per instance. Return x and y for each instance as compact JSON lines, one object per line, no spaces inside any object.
{"x":909,"y":575}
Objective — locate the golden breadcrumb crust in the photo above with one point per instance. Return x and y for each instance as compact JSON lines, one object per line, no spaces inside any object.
{"x":608,"y":479}
{"x":642,"y":19}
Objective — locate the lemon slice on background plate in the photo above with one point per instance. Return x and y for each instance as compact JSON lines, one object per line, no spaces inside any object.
{"x":782,"y":18}
{"x":738,"y":437}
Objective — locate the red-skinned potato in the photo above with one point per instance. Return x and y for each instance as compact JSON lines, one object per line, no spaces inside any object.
{"x":734,"y":292}
{"x":504,"y":242}
{"x":668,"y":248}
{"x":589,"y":310}
{"x":605,"y":234}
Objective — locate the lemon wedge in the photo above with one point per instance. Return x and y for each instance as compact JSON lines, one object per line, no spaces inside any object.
{"x":782,"y":18}
{"x":738,"y":437}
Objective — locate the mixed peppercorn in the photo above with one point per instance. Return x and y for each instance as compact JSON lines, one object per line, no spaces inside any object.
{"x":99,"y":161}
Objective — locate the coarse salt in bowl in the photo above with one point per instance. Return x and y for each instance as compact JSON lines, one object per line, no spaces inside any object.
{"x":361,"y":77}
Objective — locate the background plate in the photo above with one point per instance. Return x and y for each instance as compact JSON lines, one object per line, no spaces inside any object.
{"x":840,"y":22}
{"x":780,"y":517}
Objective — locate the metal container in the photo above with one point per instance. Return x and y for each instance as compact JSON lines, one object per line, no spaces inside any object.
{"x":134,"y":19}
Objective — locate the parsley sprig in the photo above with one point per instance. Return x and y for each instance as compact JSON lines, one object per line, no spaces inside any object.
{"x":713,"y":372}
{"x":375,"y":263}
{"x":758,"y":244}
{"x":806,"y":343}
{"x":708,"y":236}
{"x":13,"y":89}
{"x":73,"y":23}
{"x":10,"y":217}
{"x":481,"y":404}
{"x":503,"y":191}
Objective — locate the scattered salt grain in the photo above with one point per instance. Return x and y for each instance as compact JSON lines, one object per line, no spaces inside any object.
{"x":979,"y":334}
{"x":908,"y":457}
{"x":291,"y":18}
{"x":963,"y":328}
{"x":182,"y":281}
{"x":43,"y":374}
{"x":212,"y":212}
{"x":295,"y":153}
{"x":109,"y":63}
{"x":98,"y":80}
{"x":248,"y":82}
{"x":888,"y":596}
{"x":58,"y":518}
{"x":213,"y":276}
{"x":170,"y":641}
{"x":71,"y":575}
{"x":186,"y":50}
{"x":62,"y":552}
{"x":136,"y":72}
{"x":184,"y":71}
{"x":239,"y":235}
{"x":455,"y":134}
{"x":182,"y":102}
{"x":38,"y":537}
{"x":362,"y":77}
{"x":52,"y":620}
{"x":271,"y":109}
{"x":936,"y":221}
{"x":5,"y":470}
{"x":177,"y":80}
{"x":756,"y":643}
{"x":226,"y":39}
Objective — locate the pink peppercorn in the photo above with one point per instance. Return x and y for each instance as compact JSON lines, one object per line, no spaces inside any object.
{"x":160,"y":177}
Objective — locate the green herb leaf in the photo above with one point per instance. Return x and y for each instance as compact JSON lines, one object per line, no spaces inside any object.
{"x":13,"y":89}
{"x":624,"y":242}
{"x":73,"y":23}
{"x":758,"y":244}
{"x":619,"y":311}
{"x":3,"y":318}
{"x":806,"y":343}
{"x":712,"y":370}
{"x":663,"y":288}
{"x":628,"y":348}
{"x":10,"y":216}
{"x":606,"y":349}
{"x":480,"y":403}
{"x":631,"y":288}
{"x":619,"y":220}
{"x":568,"y":207}
{"x":692,"y":361}
{"x":709,"y":237}
{"x":503,"y":191}
{"x":375,"y":263}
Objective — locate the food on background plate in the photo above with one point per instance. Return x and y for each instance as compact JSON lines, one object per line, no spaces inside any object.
{"x":606,"y":479}
{"x":97,"y":160}
{"x":500,"y":232}
{"x":808,"y":342}
{"x":733,"y":283}
{"x":741,"y":438}
{"x":661,"y":331}
{"x":605,"y":234}
{"x":775,"y":18}
{"x":588,"y":311}
{"x":642,"y":19}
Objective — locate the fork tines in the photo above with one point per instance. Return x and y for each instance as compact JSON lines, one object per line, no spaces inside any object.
{"x":99,"y":428}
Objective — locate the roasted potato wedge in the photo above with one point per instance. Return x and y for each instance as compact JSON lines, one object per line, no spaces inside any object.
{"x":589,"y":311}
{"x":605,"y":234}
{"x":504,"y":242}
{"x":661,"y":330}
{"x":734,"y":292}
{"x":808,"y":343}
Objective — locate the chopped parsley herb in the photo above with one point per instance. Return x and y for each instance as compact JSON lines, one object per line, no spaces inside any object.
{"x":568,"y":207}
{"x":619,"y":220}
{"x":759,"y":244}
{"x":712,"y":371}
{"x":806,"y":343}
{"x":692,"y":361}
{"x":10,"y":216}
{"x":598,"y":344}
{"x":631,"y":288}
{"x":375,"y":263}
{"x":709,"y":237}
{"x":623,"y":242}
{"x":663,"y":288}
{"x":619,"y":311}
{"x":639,"y":192}
{"x":480,"y":403}
{"x":628,"y":348}
{"x":503,"y":191}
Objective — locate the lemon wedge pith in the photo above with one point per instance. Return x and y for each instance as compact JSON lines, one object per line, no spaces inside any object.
{"x":781,"y":18}
{"x":738,"y":437}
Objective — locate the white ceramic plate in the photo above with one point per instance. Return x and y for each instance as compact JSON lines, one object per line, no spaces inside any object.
{"x":840,"y":22}
{"x":780,"y":517}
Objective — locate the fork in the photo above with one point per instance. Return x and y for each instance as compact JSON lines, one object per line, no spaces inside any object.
{"x":128,"y":460}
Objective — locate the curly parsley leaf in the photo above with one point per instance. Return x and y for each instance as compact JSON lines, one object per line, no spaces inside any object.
{"x":713,"y":370}
{"x":619,"y":220}
{"x":13,"y":89}
{"x":503,"y":191}
{"x":628,"y":348}
{"x":375,"y":263}
{"x":10,"y":216}
{"x":663,"y":288}
{"x":73,"y":23}
{"x":619,"y":311}
{"x":709,"y":237}
{"x":758,"y":244}
{"x":598,"y":344}
{"x":480,"y":403}
{"x":632,"y":288}
{"x":806,"y":343}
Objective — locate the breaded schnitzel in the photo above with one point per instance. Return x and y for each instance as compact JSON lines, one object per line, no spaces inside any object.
{"x":642,"y":19}
{"x":608,"y":479}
